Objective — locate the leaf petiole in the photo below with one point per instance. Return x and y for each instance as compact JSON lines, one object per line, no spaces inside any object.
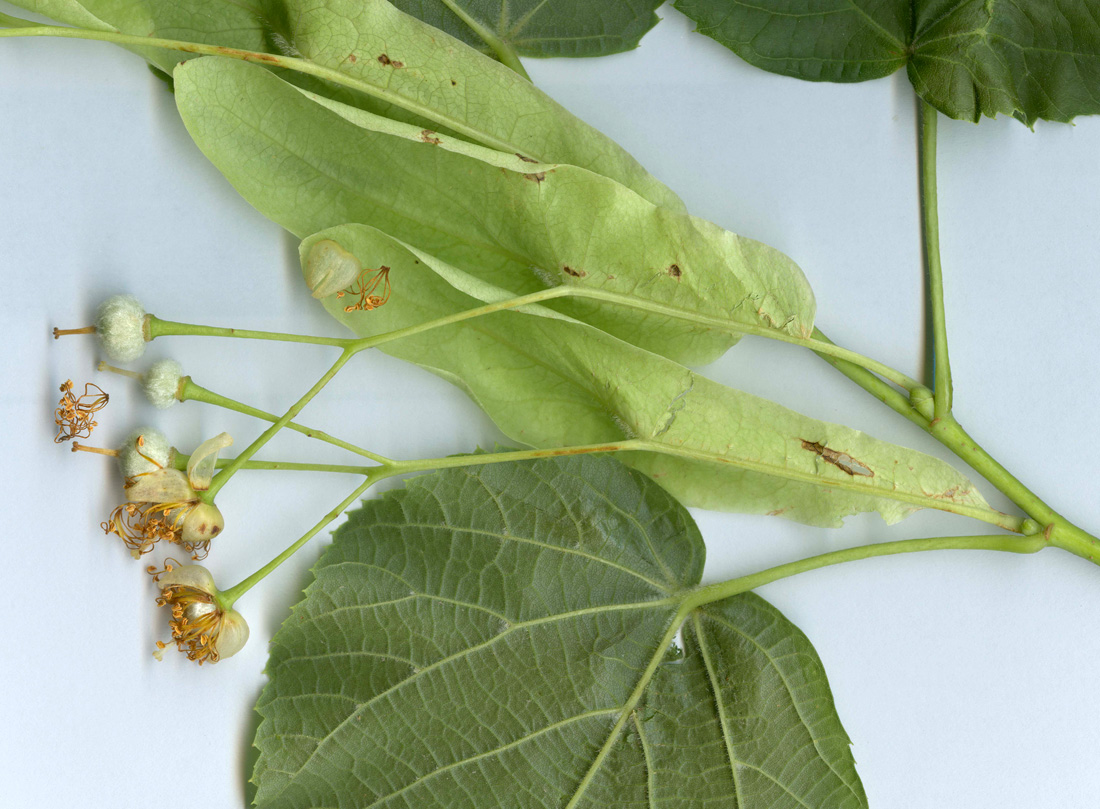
{"x":708,"y":594}
{"x":930,"y":231}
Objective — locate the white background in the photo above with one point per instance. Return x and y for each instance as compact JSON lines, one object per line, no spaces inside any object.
{"x":964,"y":679}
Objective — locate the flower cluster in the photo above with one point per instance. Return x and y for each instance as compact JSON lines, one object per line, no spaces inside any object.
{"x":166,"y":500}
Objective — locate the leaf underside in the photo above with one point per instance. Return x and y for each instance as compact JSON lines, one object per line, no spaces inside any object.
{"x":490,"y":226}
{"x":499,"y":637}
{"x":967,"y":58}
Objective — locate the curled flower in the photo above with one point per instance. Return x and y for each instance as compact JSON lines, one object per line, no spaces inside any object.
{"x":120,"y":327}
{"x":202,"y":628}
{"x":73,"y":415}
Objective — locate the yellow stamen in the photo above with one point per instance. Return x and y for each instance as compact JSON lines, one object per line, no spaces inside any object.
{"x":86,"y":330}
{"x":98,"y":450}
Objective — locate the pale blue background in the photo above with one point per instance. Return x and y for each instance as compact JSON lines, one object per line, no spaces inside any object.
{"x":965,"y":680}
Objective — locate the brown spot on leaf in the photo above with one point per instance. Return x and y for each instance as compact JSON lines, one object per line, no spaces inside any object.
{"x":841,"y":460}
{"x":537,"y":177}
{"x":525,"y":158}
{"x":428,"y":136}
{"x":388,"y":62}
{"x":777,"y":511}
{"x":575,"y":273}
{"x":674,"y":271}
{"x":454,"y":83}
{"x":351,"y":58}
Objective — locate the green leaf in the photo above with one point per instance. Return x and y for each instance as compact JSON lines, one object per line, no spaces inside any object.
{"x":542,"y":27}
{"x":550,"y":381}
{"x":1034,"y":59}
{"x":392,"y":64}
{"x":309,"y":163}
{"x":501,"y":637}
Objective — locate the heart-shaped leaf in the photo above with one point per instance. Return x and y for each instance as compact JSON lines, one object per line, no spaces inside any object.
{"x":503,"y":637}
{"x":1033,"y":59}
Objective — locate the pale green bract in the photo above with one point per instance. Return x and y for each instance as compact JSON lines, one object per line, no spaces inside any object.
{"x":1033,"y":59}
{"x":310,"y":163}
{"x":549,"y":381}
{"x":403,"y":67}
{"x":501,"y":637}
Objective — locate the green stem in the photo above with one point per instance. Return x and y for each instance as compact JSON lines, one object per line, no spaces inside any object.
{"x":710,"y":593}
{"x":190,"y":391}
{"x":180,"y":463}
{"x":930,"y":230}
{"x":303,"y":66}
{"x":227,"y":598}
{"x":223,"y":476}
{"x":885,"y":393}
{"x":166,"y":328}
{"x":1058,"y":530}
{"x":504,"y":52}
{"x":819,"y":343}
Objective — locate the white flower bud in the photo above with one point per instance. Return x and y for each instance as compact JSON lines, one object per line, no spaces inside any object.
{"x":201,"y":628}
{"x":161,"y":383}
{"x":145,"y":450}
{"x":120,"y":326}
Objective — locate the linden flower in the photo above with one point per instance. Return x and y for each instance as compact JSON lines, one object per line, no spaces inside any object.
{"x":202,"y":628}
{"x":164,"y":503}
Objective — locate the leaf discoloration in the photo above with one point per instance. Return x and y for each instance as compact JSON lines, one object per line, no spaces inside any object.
{"x":841,"y":460}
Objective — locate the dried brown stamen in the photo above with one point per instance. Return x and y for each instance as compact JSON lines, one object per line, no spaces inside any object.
{"x":73,"y":415}
{"x":365,"y":289}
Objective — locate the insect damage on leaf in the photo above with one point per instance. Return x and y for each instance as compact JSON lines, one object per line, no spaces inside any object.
{"x":841,"y":460}
{"x":428,"y":136}
{"x":388,"y":62}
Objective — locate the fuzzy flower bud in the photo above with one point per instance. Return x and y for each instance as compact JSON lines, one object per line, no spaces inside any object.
{"x":201,"y":628}
{"x":120,"y":326}
{"x":144,"y":450}
{"x":161,"y":383}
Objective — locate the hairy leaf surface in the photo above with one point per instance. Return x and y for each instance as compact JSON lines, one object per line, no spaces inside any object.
{"x":542,"y":28}
{"x":968,"y":58}
{"x":500,"y":637}
{"x":310,"y":163}
{"x":550,"y":381}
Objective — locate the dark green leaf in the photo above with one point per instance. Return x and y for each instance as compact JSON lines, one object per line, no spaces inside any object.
{"x":501,"y":637}
{"x":968,"y":58}
{"x":543,"y":27}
